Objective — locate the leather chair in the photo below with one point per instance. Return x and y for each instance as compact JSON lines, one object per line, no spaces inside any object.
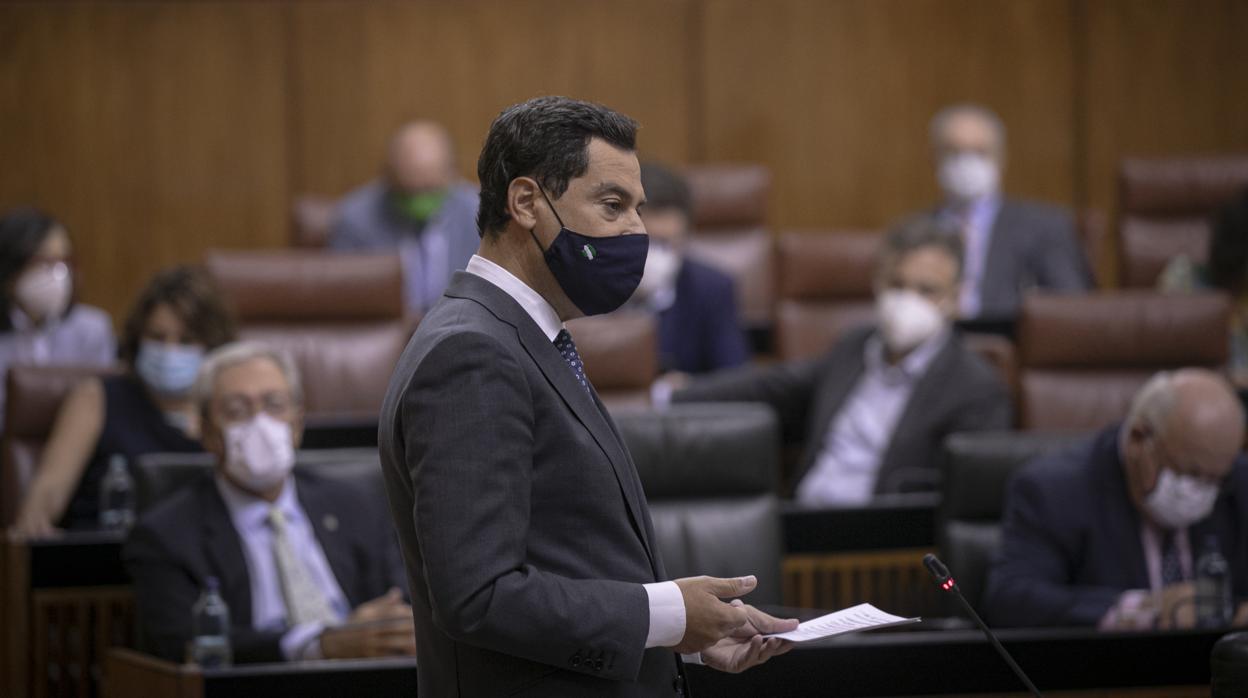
{"x":339,"y":315}
{"x":157,"y":475}
{"x":824,"y":289}
{"x":1164,"y":210}
{"x":976,"y":469}
{"x":34,"y":396}
{"x":312,"y":220}
{"x":621,"y":355}
{"x":710,"y":475}
{"x":1228,"y":663}
{"x":1083,"y":358}
{"x":730,"y":233}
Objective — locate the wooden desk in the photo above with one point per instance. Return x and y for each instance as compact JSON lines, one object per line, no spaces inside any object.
{"x":63,"y":603}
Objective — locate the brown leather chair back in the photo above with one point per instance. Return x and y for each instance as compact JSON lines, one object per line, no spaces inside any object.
{"x":34,"y":396}
{"x":825,"y":288}
{"x":1165,"y":206}
{"x":339,"y":316}
{"x":1084,"y":357}
{"x":621,"y":355}
{"x":730,"y":233}
{"x":312,"y":220}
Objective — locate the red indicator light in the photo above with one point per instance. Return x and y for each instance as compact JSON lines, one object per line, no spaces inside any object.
{"x":948,"y":584}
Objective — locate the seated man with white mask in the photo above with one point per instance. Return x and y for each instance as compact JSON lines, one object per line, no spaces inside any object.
{"x":1011,"y":246}
{"x":695,"y":304}
{"x":1109,"y":533}
{"x":873,"y":412}
{"x":309,"y":567}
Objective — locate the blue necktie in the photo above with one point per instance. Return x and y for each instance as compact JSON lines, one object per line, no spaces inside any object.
{"x":567,"y":349}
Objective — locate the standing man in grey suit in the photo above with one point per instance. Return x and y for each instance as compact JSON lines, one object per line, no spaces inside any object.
{"x":522,"y":520}
{"x":1011,"y":246}
{"x":873,"y":412}
{"x":420,"y":208}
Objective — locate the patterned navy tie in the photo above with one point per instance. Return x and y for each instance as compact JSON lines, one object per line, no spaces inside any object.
{"x":567,"y":349}
{"x":1171,"y":564}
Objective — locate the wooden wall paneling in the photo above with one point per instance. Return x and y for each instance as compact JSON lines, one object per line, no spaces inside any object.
{"x":1163,"y":77}
{"x":361,"y":69}
{"x":836,"y":97}
{"x":155,"y":130}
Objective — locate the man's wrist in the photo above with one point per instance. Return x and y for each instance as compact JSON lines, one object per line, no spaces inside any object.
{"x":667,"y":614}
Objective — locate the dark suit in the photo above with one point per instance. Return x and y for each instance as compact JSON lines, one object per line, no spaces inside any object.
{"x":958,"y":392}
{"x":1032,"y":246}
{"x":701,"y":331}
{"x":1071,"y":543}
{"x":189,"y":537}
{"x":523,"y":523}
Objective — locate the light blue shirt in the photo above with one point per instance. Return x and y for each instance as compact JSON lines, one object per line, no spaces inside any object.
{"x":83,"y":337}
{"x":847,"y":466}
{"x":975,"y":222}
{"x":249,"y":515}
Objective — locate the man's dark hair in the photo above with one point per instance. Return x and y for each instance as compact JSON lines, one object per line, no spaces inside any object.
{"x":665,"y":189}
{"x":22,"y":232}
{"x":546,"y":138}
{"x":924,"y":231}
{"x":1228,"y":246}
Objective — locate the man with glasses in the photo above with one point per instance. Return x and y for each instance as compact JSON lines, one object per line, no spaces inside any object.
{"x":308,"y":566}
{"x":1109,"y":534}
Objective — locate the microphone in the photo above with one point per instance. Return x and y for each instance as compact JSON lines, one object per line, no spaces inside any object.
{"x":947,"y":583}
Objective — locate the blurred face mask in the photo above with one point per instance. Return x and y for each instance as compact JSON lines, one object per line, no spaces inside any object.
{"x":662,"y":266}
{"x":419,"y":207}
{"x":260,"y":453}
{"x":44,"y":292}
{"x":1178,"y":501}
{"x":968,"y":176}
{"x":907,"y":319}
{"x":168,"y":370}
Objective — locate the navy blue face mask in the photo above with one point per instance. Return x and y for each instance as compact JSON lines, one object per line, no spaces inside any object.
{"x":597,"y":274}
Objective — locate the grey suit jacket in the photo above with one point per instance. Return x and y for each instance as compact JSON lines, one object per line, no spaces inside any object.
{"x":959,"y":392}
{"x":521,"y":517}
{"x":1033,"y":246}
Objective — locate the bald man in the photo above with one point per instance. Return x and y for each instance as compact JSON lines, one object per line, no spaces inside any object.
{"x":1108,"y":534}
{"x":1010,"y":246}
{"x":419,"y":207}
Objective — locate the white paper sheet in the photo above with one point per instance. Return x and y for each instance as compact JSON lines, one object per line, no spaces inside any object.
{"x":854,"y":619}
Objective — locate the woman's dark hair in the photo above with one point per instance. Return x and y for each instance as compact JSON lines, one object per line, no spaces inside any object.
{"x":193,"y":296}
{"x":22,"y":232}
{"x":546,"y":138}
{"x":1228,"y":246}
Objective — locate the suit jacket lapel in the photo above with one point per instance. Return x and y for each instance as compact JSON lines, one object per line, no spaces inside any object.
{"x":560,"y":376}
{"x":929,"y":387}
{"x":224,"y":551}
{"x":327,"y":525}
{"x":838,"y":380}
{"x":999,"y":272}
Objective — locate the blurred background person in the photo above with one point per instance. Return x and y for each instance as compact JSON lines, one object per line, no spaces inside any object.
{"x":420,"y":207}
{"x":309,"y":567}
{"x":1010,"y":246}
{"x":872,"y":412}
{"x":695,"y":304}
{"x":39,"y":321}
{"x":1108,"y":534}
{"x":176,"y":318}
{"x":1227,"y":271}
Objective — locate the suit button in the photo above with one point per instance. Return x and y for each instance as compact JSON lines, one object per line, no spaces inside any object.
{"x":576,"y":659}
{"x":598,"y":664}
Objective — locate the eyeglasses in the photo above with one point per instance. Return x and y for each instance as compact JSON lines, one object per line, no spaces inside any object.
{"x":243,"y":408}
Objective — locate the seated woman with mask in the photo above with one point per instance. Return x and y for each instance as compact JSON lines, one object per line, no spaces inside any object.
{"x":178,"y":317}
{"x":39,"y":321}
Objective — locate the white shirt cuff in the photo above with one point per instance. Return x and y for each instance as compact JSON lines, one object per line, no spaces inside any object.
{"x":695,"y":658}
{"x":300,"y":642}
{"x":667,"y":614}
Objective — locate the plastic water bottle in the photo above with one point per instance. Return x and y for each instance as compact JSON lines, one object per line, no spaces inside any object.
{"x":1213,"y":587}
{"x":116,"y":496}
{"x":210,"y":622}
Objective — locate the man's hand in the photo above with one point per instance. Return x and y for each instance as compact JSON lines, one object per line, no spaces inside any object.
{"x":1176,"y":607}
{"x":747,"y":647}
{"x":382,"y":627}
{"x":708,"y":619}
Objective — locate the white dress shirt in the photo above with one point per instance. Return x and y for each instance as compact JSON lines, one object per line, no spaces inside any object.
{"x":848,"y":464}
{"x":249,"y":515}
{"x":975,"y":221}
{"x":667,"y":604}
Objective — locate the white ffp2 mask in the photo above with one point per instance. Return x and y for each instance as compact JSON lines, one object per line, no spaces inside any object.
{"x":968,"y":176}
{"x":1178,"y":501}
{"x":259,"y":454}
{"x":45,"y":292}
{"x":907,"y":319}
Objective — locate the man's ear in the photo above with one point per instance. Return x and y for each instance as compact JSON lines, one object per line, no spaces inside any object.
{"x":522,"y":201}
